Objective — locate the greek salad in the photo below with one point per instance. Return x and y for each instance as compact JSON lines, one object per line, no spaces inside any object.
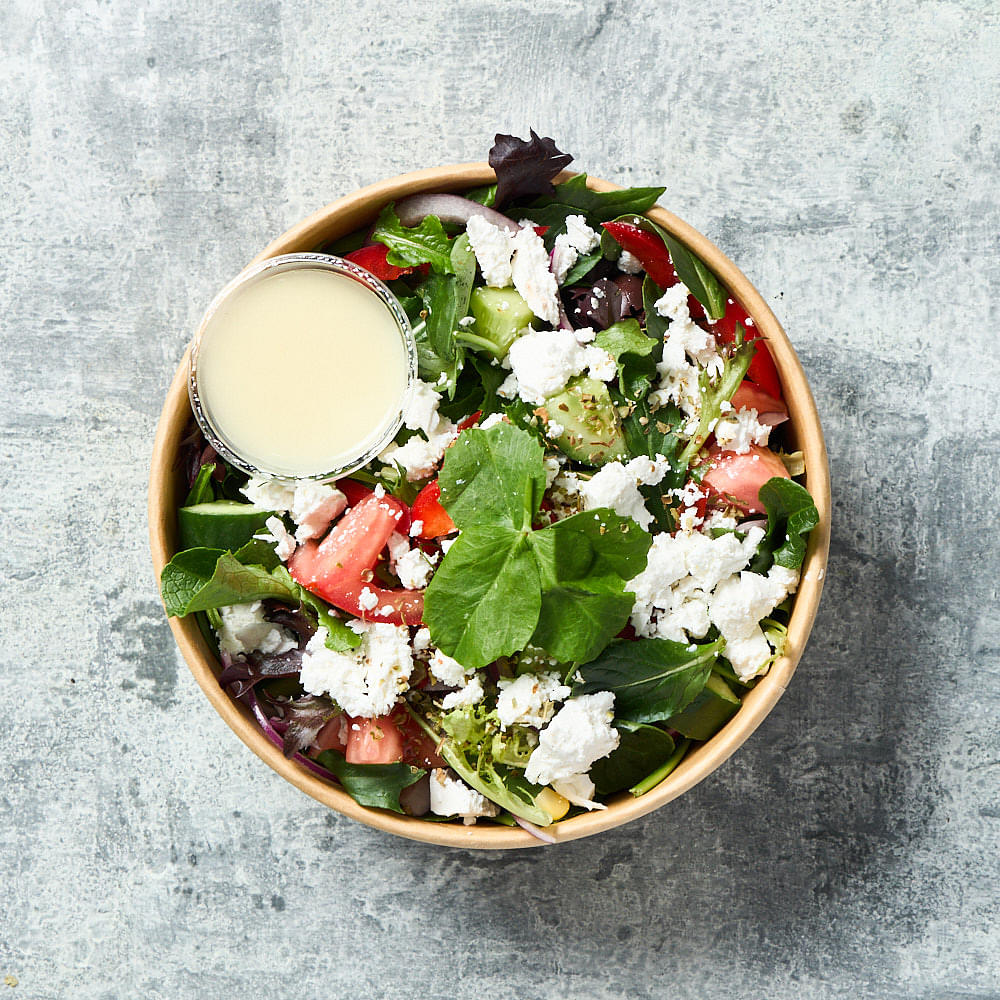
{"x":575,"y":558}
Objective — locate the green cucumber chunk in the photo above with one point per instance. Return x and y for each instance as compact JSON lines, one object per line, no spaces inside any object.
{"x":501,"y":314}
{"x":709,"y":712}
{"x":220,"y":524}
{"x":591,"y":427}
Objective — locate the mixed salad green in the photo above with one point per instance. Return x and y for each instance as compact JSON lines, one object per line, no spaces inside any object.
{"x":578,"y":553}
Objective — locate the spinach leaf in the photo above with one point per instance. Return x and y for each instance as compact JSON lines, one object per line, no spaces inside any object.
{"x":791,"y":515}
{"x":412,"y":246}
{"x":374,"y":785}
{"x":199,"y":579}
{"x":656,"y":325}
{"x":484,"y":600}
{"x":446,"y":299}
{"x":584,"y":561}
{"x":201,"y":489}
{"x":640,"y":751}
{"x":652,"y":679}
{"x":582,"y":267}
{"x":634,"y":354}
{"x":701,"y":283}
{"x":485,"y":195}
{"x":525,"y":167}
{"x":602,"y":206}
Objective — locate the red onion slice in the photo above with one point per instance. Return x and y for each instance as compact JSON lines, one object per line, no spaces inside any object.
{"x":448,"y":208}
{"x":545,"y":838}
{"x":275,"y":737}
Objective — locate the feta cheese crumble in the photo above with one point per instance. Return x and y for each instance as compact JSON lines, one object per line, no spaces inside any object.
{"x":532,"y":278}
{"x":738,"y":431}
{"x":579,"y":239}
{"x":580,"y":733}
{"x":629,"y":263}
{"x":617,"y":486}
{"x":543,"y":361}
{"x":246,"y":630}
{"x":420,"y":456}
{"x":365,"y":681}
{"x":313,"y":505}
{"x":280,"y":537}
{"x":493,"y":249}
{"x":529,"y":700}
{"x":452,"y":797}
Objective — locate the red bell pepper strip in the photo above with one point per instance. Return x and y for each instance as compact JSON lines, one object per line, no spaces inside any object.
{"x":762,"y":370}
{"x":648,"y":247}
{"x":374,"y":260}
{"x":427,"y":509}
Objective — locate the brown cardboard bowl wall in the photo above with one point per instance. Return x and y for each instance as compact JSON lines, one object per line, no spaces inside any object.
{"x":804,"y":430}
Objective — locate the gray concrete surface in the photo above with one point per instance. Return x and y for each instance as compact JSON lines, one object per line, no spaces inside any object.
{"x":845,"y":154}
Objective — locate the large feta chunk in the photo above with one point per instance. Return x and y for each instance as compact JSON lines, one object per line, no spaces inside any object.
{"x":452,"y":797}
{"x":493,"y":249}
{"x":532,"y":278}
{"x":421,"y":413}
{"x":315,"y":505}
{"x":578,"y":239}
{"x":617,"y":486}
{"x":543,"y":361}
{"x":365,"y":681}
{"x":529,"y":700}
{"x":739,"y":430}
{"x":246,"y":630}
{"x":580,"y":733}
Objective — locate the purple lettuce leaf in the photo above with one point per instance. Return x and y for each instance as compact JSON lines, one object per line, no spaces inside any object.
{"x":525,"y":167}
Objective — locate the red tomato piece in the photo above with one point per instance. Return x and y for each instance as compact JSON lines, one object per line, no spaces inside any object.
{"x":770,"y":411}
{"x":738,"y":478}
{"x":339,"y":568}
{"x":333,"y":736}
{"x":373,"y":741}
{"x":470,"y":421}
{"x":374,"y":259}
{"x":418,"y":748}
{"x":356,"y":492}
{"x":428,"y":510}
{"x":648,"y":247}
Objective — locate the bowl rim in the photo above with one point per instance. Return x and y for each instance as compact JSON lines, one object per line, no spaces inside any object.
{"x":343,"y":216}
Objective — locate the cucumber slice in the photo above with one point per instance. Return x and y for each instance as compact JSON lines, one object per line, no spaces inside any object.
{"x":591,"y":426}
{"x":709,"y":712}
{"x":219,"y":524}
{"x":501,"y":314}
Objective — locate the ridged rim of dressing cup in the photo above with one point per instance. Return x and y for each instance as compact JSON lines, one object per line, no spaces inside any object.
{"x":293,"y":262}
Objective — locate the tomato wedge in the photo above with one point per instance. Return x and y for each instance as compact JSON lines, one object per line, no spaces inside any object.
{"x":770,"y":411}
{"x":738,"y":478}
{"x":373,"y":741}
{"x":339,"y":568}
{"x":356,"y":492}
{"x":648,"y":247}
{"x":427,"y":509}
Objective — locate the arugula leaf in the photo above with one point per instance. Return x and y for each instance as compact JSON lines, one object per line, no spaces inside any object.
{"x":584,"y":562}
{"x":201,"y":489}
{"x":652,"y":679}
{"x":713,"y":396}
{"x":493,"y":476}
{"x":656,"y":325}
{"x":446,"y":300}
{"x":525,"y":167}
{"x":484,"y":600}
{"x":791,"y":515}
{"x":634,"y":354}
{"x":641,"y":749}
{"x":199,"y":579}
{"x":602,"y":206}
{"x":412,"y":246}
{"x":374,"y":785}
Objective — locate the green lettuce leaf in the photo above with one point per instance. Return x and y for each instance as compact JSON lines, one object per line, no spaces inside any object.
{"x":199,"y":579}
{"x":652,"y":679}
{"x":411,"y":246}
{"x":634,"y":354}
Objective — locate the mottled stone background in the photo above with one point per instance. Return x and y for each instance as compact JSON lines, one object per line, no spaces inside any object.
{"x":845,"y":154}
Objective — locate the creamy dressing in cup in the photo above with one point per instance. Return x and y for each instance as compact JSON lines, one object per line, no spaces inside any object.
{"x":302,"y":368}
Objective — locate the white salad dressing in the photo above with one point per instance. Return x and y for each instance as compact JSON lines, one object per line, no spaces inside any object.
{"x":301,"y":370}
